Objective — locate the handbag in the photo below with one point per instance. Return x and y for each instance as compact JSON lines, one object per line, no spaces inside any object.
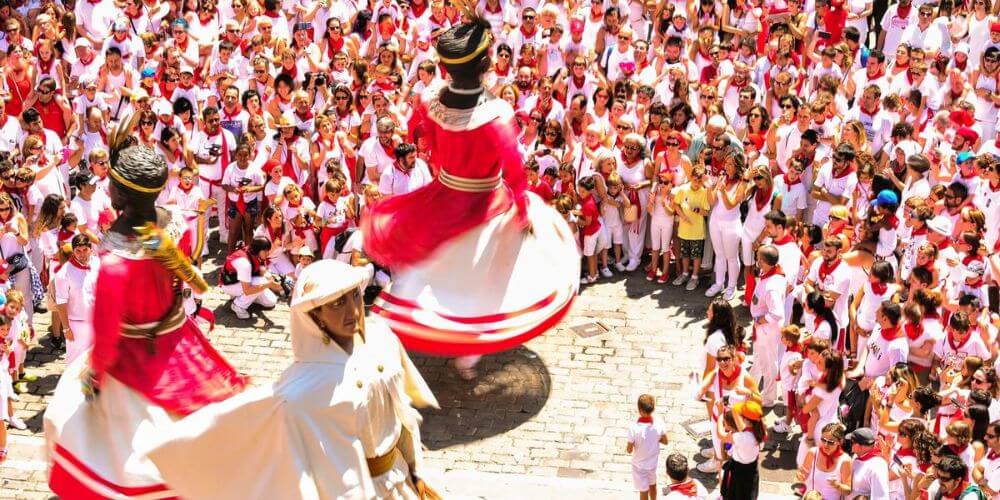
{"x":631,"y":214}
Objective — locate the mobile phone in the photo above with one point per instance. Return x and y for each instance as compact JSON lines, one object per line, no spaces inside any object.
{"x":823,"y":35}
{"x":897,"y":460}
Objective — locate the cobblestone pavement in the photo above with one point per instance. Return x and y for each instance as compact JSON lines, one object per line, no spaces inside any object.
{"x":552,"y":413}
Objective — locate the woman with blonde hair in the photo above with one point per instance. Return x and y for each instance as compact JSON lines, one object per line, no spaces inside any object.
{"x":854,"y":134}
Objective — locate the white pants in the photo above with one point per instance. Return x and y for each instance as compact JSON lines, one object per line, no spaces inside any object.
{"x":725,"y":236}
{"x":83,"y":339}
{"x":216,"y":193}
{"x":265,"y":298}
{"x":281,"y":265}
{"x":661,"y":232}
{"x":636,"y":231}
{"x":766,"y":354}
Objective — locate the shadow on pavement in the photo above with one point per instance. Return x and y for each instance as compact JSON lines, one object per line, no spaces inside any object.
{"x":512,"y":387}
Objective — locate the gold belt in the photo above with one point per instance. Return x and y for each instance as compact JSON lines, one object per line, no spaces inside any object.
{"x":172,"y":322}
{"x":469,"y":184}
{"x":382,"y":464}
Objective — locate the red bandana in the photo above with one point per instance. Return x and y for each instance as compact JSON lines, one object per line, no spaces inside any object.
{"x":78,"y":265}
{"x":913,"y":330}
{"x":772,"y":272}
{"x":872,"y":453}
{"x":878,"y":287}
{"x":890,"y":334}
{"x":645,"y":420}
{"x":825,"y":269}
{"x":688,"y":488}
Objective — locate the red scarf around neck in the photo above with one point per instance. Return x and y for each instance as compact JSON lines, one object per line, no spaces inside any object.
{"x":688,"y":488}
{"x":890,"y":334}
{"x":913,"y":330}
{"x":826,"y":268}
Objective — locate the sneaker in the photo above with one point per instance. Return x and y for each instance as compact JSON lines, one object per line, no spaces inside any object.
{"x":620,"y":267}
{"x":20,"y":388}
{"x":239,"y":311}
{"x":663,"y":278}
{"x":692,"y":283}
{"x":782,"y":427}
{"x":651,"y":275}
{"x":17,"y":423}
{"x":708,"y":453}
{"x":584,"y":281}
{"x":678,"y":281}
{"x":632,"y":265}
{"x":711,"y":467}
{"x":592,"y":279}
{"x":607,"y":273}
{"x":29,"y":378}
{"x":729,"y":294}
{"x":713,"y":290}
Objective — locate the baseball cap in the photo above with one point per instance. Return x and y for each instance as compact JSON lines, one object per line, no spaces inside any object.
{"x":963,"y":157}
{"x":861,"y":435}
{"x":975,"y":270}
{"x":886,"y":198}
{"x":839,"y":212}
{"x":162,"y":107}
{"x":148,"y":72}
{"x":576,"y":26}
{"x":83,"y":42}
{"x":995,"y":27}
{"x":941,"y":225}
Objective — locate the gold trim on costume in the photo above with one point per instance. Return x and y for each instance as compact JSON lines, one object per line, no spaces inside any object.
{"x":174,"y":321}
{"x":483,"y":45}
{"x":469,"y":184}
{"x":133,"y":186}
{"x":382,"y":464}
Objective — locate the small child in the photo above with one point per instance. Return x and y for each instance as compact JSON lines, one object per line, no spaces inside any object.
{"x":20,"y":337}
{"x":692,"y":206}
{"x":788,"y":375}
{"x":7,"y":395}
{"x":334,"y":212}
{"x":566,"y":181}
{"x":644,"y":439}
{"x":590,"y":226}
{"x":305,"y":257}
{"x":661,"y":225}
{"x":565,"y":206}
{"x":536,"y":184}
{"x":611,"y":210}
{"x":303,"y":233}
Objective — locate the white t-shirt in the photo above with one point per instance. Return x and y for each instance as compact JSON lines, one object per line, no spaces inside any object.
{"x":745,"y":447}
{"x":646,"y":439}
{"x":75,"y":288}
{"x":883,"y":353}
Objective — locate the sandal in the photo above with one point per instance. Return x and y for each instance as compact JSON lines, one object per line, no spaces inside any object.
{"x":467,"y":373}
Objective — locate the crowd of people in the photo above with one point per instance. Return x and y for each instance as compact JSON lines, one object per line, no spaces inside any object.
{"x":832,"y":164}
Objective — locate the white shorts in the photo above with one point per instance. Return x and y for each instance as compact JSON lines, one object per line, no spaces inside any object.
{"x":617,"y":234}
{"x":661,"y":232}
{"x":590,"y":244}
{"x":642,"y":479}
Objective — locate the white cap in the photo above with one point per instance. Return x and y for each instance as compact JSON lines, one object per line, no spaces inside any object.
{"x":83,"y":42}
{"x":162,"y":107}
{"x":961,"y":47}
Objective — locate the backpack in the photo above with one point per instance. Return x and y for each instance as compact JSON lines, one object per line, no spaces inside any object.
{"x":228,"y":276}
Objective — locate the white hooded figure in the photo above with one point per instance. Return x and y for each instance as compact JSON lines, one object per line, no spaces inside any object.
{"x":338,"y":423}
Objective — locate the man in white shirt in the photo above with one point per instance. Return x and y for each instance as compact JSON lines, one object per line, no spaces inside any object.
{"x":768,"y":311}
{"x":377,"y":151}
{"x":214,"y":152}
{"x":870,"y":471}
{"x":830,"y":276}
{"x":245,"y":278}
{"x":74,"y":293}
{"x":408,"y":173}
{"x":682,"y":486}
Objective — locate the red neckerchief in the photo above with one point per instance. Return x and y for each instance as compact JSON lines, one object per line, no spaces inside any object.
{"x":271,"y":233}
{"x":645,"y":420}
{"x":961,"y":65}
{"x":688,"y":488}
{"x":878,"y":287}
{"x":976,"y":284}
{"x":890,"y":334}
{"x":903,"y":12}
{"x":831,"y":458}
{"x":231,"y":117}
{"x":224,"y":157}
{"x":905,"y":452}
{"x":844,"y":173}
{"x":951,"y":341}
{"x":137,"y":15}
{"x":746,"y":81}
{"x":970,"y":176}
{"x":957,"y":492}
{"x":186,"y":86}
{"x":389,"y":150}
{"x":873,"y":111}
{"x":418,"y":10}
{"x":783,"y":239}
{"x":46,"y":66}
{"x":872,"y":453}
{"x":288,"y":169}
{"x":958,"y":451}
{"x":64,"y":235}
{"x":293,"y":72}
{"x":945,"y":243}
{"x":526,"y":35}
{"x":185,"y":191}
{"x":836,"y":227}
{"x":913,"y":330}
{"x":580,"y":82}
{"x":724,"y":380}
{"x":334,"y":46}
{"x":273,"y":14}
{"x":182,"y":46}
{"x":776,"y":270}
{"x":761,"y":201}
{"x":308,"y":115}
{"x":826,"y":268}
{"x":206,"y":21}
{"x":301,"y":231}
{"x":920,"y":232}
{"x":992,"y":455}
{"x":969,"y":259}
{"x":78,"y":265}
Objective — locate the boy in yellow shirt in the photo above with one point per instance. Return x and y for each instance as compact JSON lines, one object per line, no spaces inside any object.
{"x":692,"y":204}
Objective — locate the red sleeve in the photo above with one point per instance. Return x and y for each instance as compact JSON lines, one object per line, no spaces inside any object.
{"x":511,"y":166}
{"x":108,"y":310}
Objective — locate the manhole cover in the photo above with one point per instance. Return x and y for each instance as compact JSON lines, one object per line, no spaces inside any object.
{"x":699,"y":427}
{"x":587,"y":330}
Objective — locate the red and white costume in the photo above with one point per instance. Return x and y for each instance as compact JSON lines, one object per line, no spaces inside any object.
{"x":467,"y":277}
{"x":152,"y":365}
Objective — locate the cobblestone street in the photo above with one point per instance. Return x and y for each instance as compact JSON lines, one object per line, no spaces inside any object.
{"x":551,"y":414}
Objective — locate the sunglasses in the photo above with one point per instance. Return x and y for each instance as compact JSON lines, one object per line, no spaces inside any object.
{"x":756,"y":115}
{"x":787,"y":106}
{"x":826,"y":441}
{"x":724,"y":359}
{"x":623,"y":127}
{"x":758,"y":177}
{"x":528,"y":18}
{"x":926,"y":14}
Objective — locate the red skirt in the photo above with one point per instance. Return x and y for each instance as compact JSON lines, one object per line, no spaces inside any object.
{"x":405,"y":230}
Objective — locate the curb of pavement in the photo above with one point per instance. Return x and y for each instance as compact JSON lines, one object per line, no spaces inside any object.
{"x":475,"y":485}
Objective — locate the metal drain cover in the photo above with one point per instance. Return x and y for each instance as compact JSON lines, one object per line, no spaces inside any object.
{"x":587,"y":330}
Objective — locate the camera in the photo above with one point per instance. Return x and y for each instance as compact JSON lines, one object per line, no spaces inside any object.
{"x":244,"y":182}
{"x":315,"y":78}
{"x":215,"y":149}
